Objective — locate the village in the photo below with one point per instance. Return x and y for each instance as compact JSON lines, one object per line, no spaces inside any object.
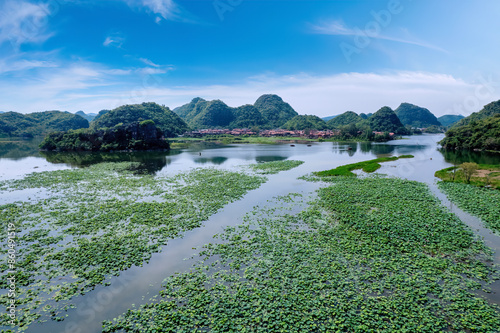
{"x":311,"y":134}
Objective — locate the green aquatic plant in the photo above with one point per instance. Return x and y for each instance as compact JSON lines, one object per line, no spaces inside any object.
{"x":480,"y":201}
{"x":366,"y":166}
{"x":368,"y":255}
{"x":96,"y":222}
{"x":275,"y":166}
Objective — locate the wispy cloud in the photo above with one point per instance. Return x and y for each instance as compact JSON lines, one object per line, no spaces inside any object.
{"x":24,"y":65}
{"x":153,"y":68}
{"x":149,"y":62}
{"x":339,"y":28}
{"x":164,"y":10}
{"x":23,"y":22}
{"x":115,"y":41}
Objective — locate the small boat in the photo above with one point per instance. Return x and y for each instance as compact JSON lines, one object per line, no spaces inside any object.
{"x":292,"y":145}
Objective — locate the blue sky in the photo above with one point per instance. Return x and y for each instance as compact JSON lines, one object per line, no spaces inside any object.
{"x":323,"y":57}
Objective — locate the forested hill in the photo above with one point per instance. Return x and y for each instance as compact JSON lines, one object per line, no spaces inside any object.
{"x":269,"y":111}
{"x":483,"y":134}
{"x":166,"y":120}
{"x":305,"y":122}
{"x":386,"y":120}
{"x":450,"y":119}
{"x":14,"y":124}
{"x":416,"y":116}
{"x":275,"y":111}
{"x":480,"y":130}
{"x":344,"y":119}
{"x":488,"y":110}
{"x":88,"y":116}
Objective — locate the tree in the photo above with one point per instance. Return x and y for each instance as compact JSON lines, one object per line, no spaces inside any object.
{"x":468,"y":169}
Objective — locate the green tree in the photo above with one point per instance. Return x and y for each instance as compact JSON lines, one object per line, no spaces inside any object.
{"x":468,"y":170}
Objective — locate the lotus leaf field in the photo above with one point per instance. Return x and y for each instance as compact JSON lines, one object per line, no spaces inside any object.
{"x":480,"y":201}
{"x":82,"y":226}
{"x":366,"y":255}
{"x":275,"y":167}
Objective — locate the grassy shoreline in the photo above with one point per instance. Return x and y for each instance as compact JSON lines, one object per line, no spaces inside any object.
{"x":479,"y":178}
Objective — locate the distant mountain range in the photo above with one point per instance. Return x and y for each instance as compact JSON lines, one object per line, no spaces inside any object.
{"x":269,"y":111}
{"x":328,"y":118}
{"x":89,"y":116}
{"x":449,"y":119}
{"x":13,"y":124}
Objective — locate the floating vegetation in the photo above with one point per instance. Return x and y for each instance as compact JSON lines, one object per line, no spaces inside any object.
{"x":366,"y":166}
{"x":479,"y":201}
{"x":275,"y":166}
{"x":97,"y":222}
{"x":369,"y":255}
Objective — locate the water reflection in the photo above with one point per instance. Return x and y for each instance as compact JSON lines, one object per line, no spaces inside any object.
{"x":461,"y":156}
{"x":13,"y":155}
{"x":218,"y":160}
{"x":382,"y":149}
{"x":149,"y":162}
{"x":271,"y":158}
{"x":349,"y":148}
{"x":365,"y":147}
{"x":16,"y":149}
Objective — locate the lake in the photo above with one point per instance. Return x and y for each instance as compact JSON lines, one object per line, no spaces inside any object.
{"x":137,"y":284}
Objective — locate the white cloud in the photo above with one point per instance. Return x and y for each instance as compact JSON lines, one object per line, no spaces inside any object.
{"x":114,"y":40}
{"x":149,"y":62}
{"x":91,"y":88}
{"x":23,"y":22}
{"x":151,"y":71}
{"x":24,"y":65}
{"x":164,"y":9}
{"x":338,"y":28}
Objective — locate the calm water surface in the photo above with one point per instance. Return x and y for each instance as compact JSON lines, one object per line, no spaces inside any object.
{"x":138,"y":284}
